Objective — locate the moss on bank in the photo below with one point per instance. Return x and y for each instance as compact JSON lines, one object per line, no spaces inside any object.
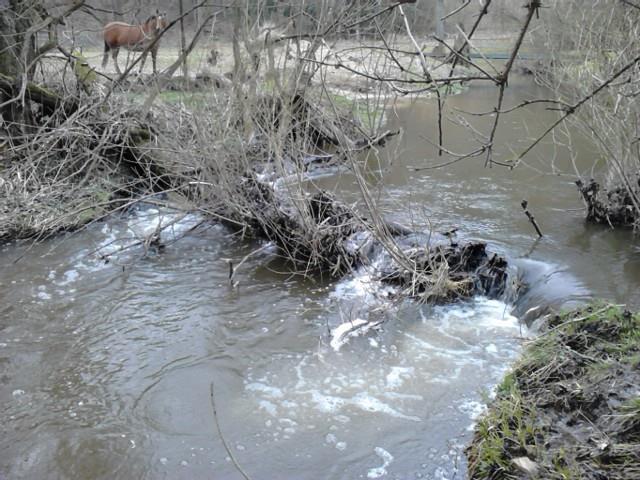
{"x":570,"y":409}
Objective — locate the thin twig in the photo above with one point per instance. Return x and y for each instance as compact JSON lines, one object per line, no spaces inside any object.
{"x":224,"y":442}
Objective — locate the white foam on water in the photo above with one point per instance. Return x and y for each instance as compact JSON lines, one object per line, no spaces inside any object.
{"x":121,"y":239}
{"x":397,"y":376}
{"x":43,"y":295}
{"x":287,"y":422}
{"x":491,"y":348}
{"x":342,"y":418}
{"x":268,"y":407}
{"x":331,"y":386}
{"x":386,"y":458}
{"x":494,"y":314}
{"x":146,"y":222}
{"x":271,"y":392}
{"x":362,"y":289}
{"x":403,"y":396}
{"x":70,"y":276}
{"x":472,"y":408}
{"x":327,"y":403}
{"x":424,"y":345}
{"x":359,"y":285}
{"x":343,"y":332}
{"x":368,"y":403}
{"x":452,"y":351}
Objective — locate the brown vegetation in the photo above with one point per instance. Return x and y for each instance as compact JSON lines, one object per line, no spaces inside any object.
{"x":595,"y":77}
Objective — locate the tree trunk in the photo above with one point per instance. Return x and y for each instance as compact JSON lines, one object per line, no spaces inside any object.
{"x":439,"y":21}
{"x":49,"y":101}
{"x":18,"y":58}
{"x":15,"y":50}
{"x":185,"y":70}
{"x":8,"y":59}
{"x":238,"y":67}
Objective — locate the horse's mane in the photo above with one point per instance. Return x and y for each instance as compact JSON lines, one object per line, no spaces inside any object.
{"x":149,"y":19}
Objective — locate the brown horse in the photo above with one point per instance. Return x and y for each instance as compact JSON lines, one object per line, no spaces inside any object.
{"x":136,"y":38}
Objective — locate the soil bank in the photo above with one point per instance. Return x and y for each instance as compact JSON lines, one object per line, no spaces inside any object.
{"x":570,"y":409}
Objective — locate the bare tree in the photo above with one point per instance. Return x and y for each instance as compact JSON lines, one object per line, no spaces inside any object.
{"x":596,"y":76}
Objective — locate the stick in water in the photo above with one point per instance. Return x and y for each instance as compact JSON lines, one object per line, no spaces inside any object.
{"x":531,"y":218}
{"x":224,"y":442}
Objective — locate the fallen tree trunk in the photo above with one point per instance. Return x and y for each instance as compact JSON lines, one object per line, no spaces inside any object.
{"x":50,"y":101}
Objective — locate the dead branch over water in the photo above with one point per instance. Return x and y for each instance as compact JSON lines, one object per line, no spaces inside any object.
{"x":242,"y":158}
{"x":244,"y":155}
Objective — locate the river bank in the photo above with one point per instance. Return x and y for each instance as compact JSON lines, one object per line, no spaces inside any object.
{"x":570,"y":408}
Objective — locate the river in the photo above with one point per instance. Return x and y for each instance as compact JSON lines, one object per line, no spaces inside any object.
{"x":107,"y":369}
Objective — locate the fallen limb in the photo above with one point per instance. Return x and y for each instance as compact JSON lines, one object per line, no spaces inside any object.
{"x":35,"y":93}
{"x":320,"y":235}
{"x":531,"y":218}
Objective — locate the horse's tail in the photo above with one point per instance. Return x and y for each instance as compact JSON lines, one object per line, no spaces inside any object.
{"x":105,"y":58}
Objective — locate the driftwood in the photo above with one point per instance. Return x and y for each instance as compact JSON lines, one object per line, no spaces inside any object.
{"x":312,"y":234}
{"x":319,"y":235}
{"x":616,"y":207}
{"x":525,"y":206}
{"x":307,"y":120}
{"x":447,"y":272}
{"x":317,"y":241}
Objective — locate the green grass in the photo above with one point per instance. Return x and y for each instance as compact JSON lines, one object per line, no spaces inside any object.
{"x":509,"y":420}
{"x":632,"y":408}
{"x":187,"y":98}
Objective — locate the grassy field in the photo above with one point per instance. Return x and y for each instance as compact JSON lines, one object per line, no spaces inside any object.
{"x":343,"y":57}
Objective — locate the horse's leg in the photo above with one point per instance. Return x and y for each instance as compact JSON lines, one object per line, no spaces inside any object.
{"x":105,"y":58}
{"x":114,"y":54}
{"x":144,"y":59}
{"x":154,"y":55}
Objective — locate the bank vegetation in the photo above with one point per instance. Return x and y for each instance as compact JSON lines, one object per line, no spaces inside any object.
{"x":570,"y":408}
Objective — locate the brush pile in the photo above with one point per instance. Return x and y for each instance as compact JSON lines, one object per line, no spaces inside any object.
{"x":65,"y":170}
{"x":245,"y":170}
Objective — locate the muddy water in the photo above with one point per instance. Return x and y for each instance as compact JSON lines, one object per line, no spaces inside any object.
{"x":485,"y":202}
{"x":107,"y":369}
